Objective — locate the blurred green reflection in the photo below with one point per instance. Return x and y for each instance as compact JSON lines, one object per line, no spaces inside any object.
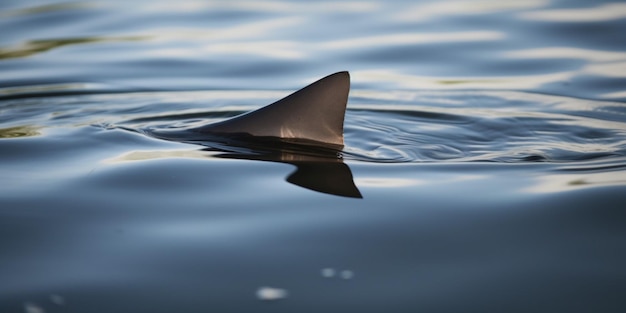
{"x":44,"y":9}
{"x":38,"y":46}
{"x":19,"y":131}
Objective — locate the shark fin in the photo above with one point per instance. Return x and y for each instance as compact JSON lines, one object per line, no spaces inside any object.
{"x":313,"y":113}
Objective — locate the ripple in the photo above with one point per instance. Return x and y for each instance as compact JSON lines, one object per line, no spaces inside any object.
{"x":380,"y":127}
{"x":432,"y":126}
{"x":482,"y":134}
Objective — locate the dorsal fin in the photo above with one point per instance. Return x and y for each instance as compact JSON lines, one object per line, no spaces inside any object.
{"x":315,"y":112}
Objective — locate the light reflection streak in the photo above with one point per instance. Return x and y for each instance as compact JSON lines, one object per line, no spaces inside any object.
{"x":566,"y":182}
{"x":238,"y":40}
{"x":387,"y":182}
{"x":606,"y":12}
{"x":566,"y":53}
{"x":143,"y":155}
{"x":614,"y":95}
{"x":240,"y":31}
{"x":395,"y":182}
{"x":380,"y":76}
{"x":601,"y":63}
{"x":590,"y":123}
{"x":614,"y":69}
{"x":275,"y":49}
{"x":411,"y":38}
{"x":429,"y":11}
{"x":49,"y":88}
{"x":264,"y":6}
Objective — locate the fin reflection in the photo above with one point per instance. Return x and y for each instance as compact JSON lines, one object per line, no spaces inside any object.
{"x":322,"y":174}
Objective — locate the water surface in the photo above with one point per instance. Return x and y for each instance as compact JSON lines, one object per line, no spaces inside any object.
{"x":484,"y":168}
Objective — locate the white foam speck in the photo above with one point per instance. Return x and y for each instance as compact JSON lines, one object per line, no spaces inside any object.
{"x":30,"y":307}
{"x":347,"y":274}
{"x":328,"y":272}
{"x":270,"y":293}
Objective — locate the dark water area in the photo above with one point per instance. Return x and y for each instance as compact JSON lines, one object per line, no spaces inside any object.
{"x":484,"y":166}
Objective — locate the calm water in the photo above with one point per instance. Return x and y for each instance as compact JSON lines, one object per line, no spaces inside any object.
{"x":484,"y":168}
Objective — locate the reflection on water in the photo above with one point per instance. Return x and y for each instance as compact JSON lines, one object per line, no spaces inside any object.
{"x":569,"y":178}
{"x":602,"y":12}
{"x":159,"y":154}
{"x":45,"y":8}
{"x":440,"y":9}
{"x":572,"y":48}
{"x":410,"y":39}
{"x":47,"y":90}
{"x":38,"y":46}
{"x":321,"y":172}
{"x":559,"y":183}
{"x":19,"y":131}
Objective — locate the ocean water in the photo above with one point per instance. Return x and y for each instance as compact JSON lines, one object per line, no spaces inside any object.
{"x":484,"y":168}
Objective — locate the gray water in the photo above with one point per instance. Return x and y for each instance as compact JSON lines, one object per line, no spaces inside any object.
{"x":484,"y":168}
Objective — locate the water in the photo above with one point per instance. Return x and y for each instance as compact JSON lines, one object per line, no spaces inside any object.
{"x":484,"y":168}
